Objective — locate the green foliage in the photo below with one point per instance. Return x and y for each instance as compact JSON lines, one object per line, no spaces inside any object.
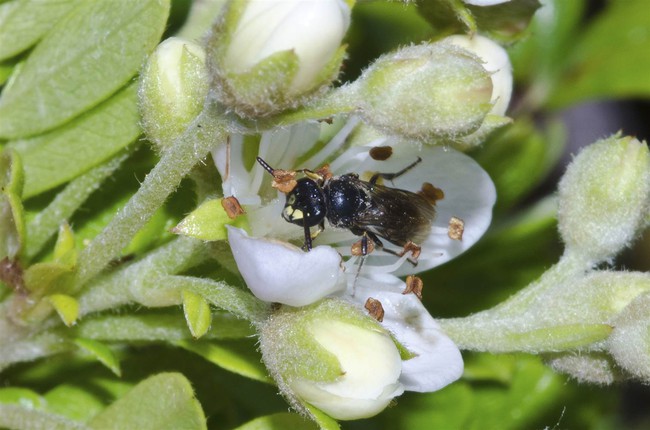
{"x":143,"y":329}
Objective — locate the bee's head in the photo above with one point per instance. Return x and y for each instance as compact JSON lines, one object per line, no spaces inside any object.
{"x":305,"y":204}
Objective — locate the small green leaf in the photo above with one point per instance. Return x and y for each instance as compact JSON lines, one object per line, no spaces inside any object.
{"x":12,"y":224}
{"x":324,"y":421}
{"x":101,"y":352}
{"x":21,"y":417}
{"x":158,"y":326}
{"x":197,"y":313}
{"x":163,"y":401}
{"x":74,"y":402}
{"x":237,"y":357}
{"x":207,"y":222}
{"x":49,"y":278}
{"x":22,"y":396}
{"x":66,"y":306}
{"x":56,"y":157}
{"x":64,"y":249}
{"x":279,"y":421}
{"x":24,"y":22}
{"x":85,"y":58}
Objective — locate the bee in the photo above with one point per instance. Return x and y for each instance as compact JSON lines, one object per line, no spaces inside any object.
{"x":366,"y":208}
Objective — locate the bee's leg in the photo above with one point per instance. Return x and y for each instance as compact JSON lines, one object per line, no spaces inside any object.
{"x":380,"y":245}
{"x":391,"y":176}
{"x":307,"y":245}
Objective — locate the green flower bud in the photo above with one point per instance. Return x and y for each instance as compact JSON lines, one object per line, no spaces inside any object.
{"x":173,"y":88}
{"x":430,"y":91}
{"x":604,"y":197}
{"x":333,"y":357}
{"x":266,"y":57}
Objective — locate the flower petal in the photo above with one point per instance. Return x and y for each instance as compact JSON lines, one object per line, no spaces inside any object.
{"x":469,"y":194}
{"x":438,"y":361}
{"x":280,"y":272}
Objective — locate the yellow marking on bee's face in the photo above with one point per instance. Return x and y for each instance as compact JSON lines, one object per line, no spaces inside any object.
{"x":291,"y":200}
{"x":292,"y":213}
{"x":296,"y":214}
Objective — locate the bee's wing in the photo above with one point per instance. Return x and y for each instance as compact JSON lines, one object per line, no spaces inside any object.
{"x":396,"y":215}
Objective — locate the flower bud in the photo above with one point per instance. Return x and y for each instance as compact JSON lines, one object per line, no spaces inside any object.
{"x":604,"y":197}
{"x":333,"y":357}
{"x":496,"y":61}
{"x":173,"y":88}
{"x":428,"y":91}
{"x":268,"y":56}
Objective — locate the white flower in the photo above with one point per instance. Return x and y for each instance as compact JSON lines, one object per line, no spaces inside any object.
{"x":468,"y":191}
{"x":496,"y":61}
{"x":279,"y":272}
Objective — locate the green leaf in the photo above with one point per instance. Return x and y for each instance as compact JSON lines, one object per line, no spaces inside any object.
{"x":12,"y":224}
{"x":66,"y":306}
{"x":163,"y":401}
{"x":541,"y":55}
{"x":518,"y":158}
{"x":100,"y":352}
{"x":56,"y":157}
{"x":238,"y":357}
{"x":611,"y":59}
{"x":197,"y":313}
{"x":207,"y":222}
{"x":91,"y":53}
{"x":20,"y":417}
{"x":324,"y":421}
{"x":45,"y":222}
{"x":24,"y":22}
{"x":505,"y":21}
{"x":158,"y":327}
{"x":49,"y":278}
{"x":22,"y":396}
{"x":279,"y":421}
{"x":73,"y":402}
{"x":64,"y":250}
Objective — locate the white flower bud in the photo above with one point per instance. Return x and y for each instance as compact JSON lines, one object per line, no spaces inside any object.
{"x":334,"y":358}
{"x":173,"y":87}
{"x":496,"y":61}
{"x":429,"y":91}
{"x":604,"y":197}
{"x":271,"y":55}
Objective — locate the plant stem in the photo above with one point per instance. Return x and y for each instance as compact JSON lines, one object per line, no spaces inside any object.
{"x":204,"y":133}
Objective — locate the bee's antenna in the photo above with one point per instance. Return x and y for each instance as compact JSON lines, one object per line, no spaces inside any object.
{"x":265,"y":165}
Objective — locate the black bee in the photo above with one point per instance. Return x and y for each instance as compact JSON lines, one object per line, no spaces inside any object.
{"x":365,"y":208}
